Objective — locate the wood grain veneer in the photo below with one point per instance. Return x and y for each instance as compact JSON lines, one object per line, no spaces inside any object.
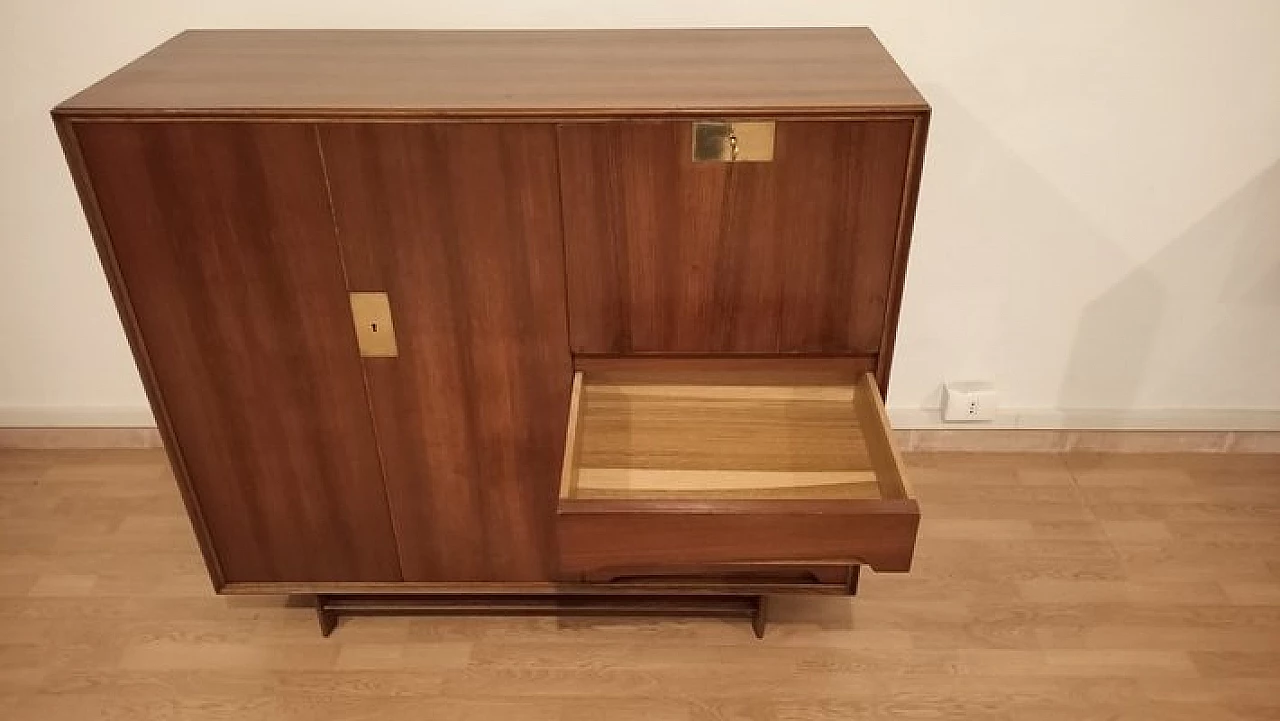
{"x":506,"y":73}
{"x":621,"y":483}
{"x":460,"y":225}
{"x":668,"y":255}
{"x":221,"y":233}
{"x":604,"y":533}
{"x":712,"y":428}
{"x":137,"y":346}
{"x":710,"y":370}
{"x":877,"y":435}
{"x":654,"y":439}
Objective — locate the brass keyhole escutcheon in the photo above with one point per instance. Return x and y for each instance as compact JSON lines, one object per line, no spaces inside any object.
{"x":375,"y":333}
{"x":737,"y":142}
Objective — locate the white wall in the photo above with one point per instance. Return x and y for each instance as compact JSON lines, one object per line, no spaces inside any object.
{"x":1099,"y":226}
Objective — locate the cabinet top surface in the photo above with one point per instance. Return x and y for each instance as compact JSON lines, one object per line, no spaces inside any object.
{"x":513,"y":72}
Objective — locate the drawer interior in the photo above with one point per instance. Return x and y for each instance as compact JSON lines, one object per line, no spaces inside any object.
{"x":728,"y":437}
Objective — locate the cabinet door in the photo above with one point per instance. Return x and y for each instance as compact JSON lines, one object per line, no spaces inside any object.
{"x":795,"y":255}
{"x":224,"y":244}
{"x":459,"y":223}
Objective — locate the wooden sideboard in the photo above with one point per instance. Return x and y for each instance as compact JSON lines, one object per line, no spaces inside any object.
{"x":509,"y":316}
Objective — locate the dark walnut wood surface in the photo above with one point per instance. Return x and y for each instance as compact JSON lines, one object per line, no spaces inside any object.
{"x":556,"y":72}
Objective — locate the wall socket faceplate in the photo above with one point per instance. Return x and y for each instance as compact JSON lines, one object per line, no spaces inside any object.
{"x":968,"y":401}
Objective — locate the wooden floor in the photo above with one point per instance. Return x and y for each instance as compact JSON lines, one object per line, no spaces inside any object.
{"x":1046,"y":587}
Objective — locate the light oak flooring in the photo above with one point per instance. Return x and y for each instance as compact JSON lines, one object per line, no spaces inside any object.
{"x":1046,"y":587}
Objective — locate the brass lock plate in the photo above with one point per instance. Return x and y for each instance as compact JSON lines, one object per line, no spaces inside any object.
{"x":375,"y":333}
{"x":736,"y":142}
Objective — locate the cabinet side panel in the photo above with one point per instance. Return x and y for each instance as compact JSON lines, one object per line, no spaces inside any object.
{"x":120,"y":295}
{"x":460,"y":224}
{"x":906,"y":223}
{"x":224,"y":239}
{"x":668,"y":255}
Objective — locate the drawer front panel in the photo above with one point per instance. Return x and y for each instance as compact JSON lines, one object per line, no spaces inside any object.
{"x":666,"y":254}
{"x":880,"y":534}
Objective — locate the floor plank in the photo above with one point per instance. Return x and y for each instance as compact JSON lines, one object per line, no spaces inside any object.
{"x":1078,"y":586}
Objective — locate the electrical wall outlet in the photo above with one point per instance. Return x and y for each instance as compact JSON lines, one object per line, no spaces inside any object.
{"x":968,"y":401}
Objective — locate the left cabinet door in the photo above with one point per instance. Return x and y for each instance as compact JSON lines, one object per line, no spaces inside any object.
{"x":227,"y":271}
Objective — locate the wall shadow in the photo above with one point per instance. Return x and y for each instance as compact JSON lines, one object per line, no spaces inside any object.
{"x":1207,"y":304}
{"x":999,"y":258}
{"x":1010,"y":279}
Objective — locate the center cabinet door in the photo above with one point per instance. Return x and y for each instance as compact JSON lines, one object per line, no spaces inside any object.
{"x":460,"y":225}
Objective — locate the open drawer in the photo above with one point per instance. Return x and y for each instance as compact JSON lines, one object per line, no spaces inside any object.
{"x":664,"y":467}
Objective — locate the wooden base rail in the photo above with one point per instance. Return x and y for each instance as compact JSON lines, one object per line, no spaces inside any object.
{"x":331,"y":607}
